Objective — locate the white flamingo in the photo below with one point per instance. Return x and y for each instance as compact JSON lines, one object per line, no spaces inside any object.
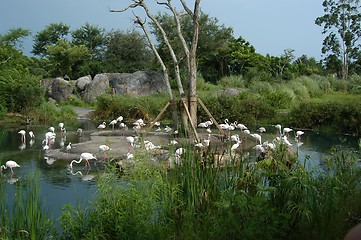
{"x":104,"y":148}
{"x":130,"y":140}
{"x":112,"y":123}
{"x":103,"y":125}
{"x":9,"y":164}
{"x":68,"y":147}
{"x":22,"y":133}
{"x":31,"y":135}
{"x":84,"y":156}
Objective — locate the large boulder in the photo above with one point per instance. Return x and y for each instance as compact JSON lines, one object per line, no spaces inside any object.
{"x":47,"y":84}
{"x":61,"y":89}
{"x":137,"y":84}
{"x":81,"y":82}
{"x":96,"y":87}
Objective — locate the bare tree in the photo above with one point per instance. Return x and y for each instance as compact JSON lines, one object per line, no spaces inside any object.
{"x":190,"y":51}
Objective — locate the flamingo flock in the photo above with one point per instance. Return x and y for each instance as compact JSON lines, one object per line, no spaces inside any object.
{"x":241,"y":139}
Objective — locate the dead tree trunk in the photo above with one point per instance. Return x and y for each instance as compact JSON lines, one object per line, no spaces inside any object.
{"x":164,"y":69}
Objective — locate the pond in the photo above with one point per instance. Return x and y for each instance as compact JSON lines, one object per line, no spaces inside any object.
{"x":59,"y":186}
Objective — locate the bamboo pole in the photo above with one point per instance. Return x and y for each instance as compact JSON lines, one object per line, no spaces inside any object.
{"x":157,"y":118}
{"x":211,"y":116}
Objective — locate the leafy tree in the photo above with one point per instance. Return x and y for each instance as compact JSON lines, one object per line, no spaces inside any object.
{"x":94,"y":38}
{"x":342,"y":23}
{"x":49,"y":37}
{"x":212,"y":44}
{"x":67,"y":59}
{"x":307,"y":66}
{"x":18,"y":89}
{"x":14,"y":37}
{"x":280,"y":67}
{"x":127,"y":52}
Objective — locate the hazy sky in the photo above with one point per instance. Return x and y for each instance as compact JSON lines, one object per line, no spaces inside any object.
{"x":271,"y":26}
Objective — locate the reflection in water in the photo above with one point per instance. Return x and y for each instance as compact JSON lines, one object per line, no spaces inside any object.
{"x":84,"y":177}
{"x":49,"y":160}
{"x":31,"y":142}
{"x":22,"y":146}
{"x":60,"y":186}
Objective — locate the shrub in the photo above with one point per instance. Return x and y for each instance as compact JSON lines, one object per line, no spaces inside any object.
{"x":339,"y":115}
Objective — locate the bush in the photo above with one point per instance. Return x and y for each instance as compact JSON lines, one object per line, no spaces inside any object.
{"x":342,"y":116}
{"x":245,"y":108}
{"x":145,"y":107}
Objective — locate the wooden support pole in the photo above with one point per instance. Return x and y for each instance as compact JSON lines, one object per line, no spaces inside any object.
{"x":158,"y":117}
{"x":210,"y":115}
{"x":190,"y":120}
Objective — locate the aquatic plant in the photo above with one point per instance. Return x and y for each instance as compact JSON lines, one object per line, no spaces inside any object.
{"x":23,"y":214}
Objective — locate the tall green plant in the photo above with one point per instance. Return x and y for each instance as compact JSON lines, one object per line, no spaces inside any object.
{"x":24,"y":216}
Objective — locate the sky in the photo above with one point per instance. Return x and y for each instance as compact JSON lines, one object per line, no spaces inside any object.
{"x":271,"y":26}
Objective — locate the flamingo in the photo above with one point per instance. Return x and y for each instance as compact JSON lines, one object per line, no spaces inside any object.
{"x":299,"y":134}
{"x":104,"y":148}
{"x":122,"y":126}
{"x":130,"y":140}
{"x":203,"y":125}
{"x":119,"y":119}
{"x":261,"y":130}
{"x":287,"y":130}
{"x":68,"y":147}
{"x":51,"y":129}
{"x":79,"y":132}
{"x":102,"y":125}
{"x":279,"y":128}
{"x":31,"y":135}
{"x":22,"y":133}
{"x":9,"y":164}
{"x":112,"y":123}
{"x":61,"y":126}
{"x":84,"y":156}
{"x":241,"y":126}
{"x":168,"y":129}
{"x":257,"y":137}
{"x":236,"y":145}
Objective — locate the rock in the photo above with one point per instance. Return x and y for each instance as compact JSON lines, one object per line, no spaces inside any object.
{"x":47,"y":84}
{"x":96,"y":87}
{"x":61,"y":89}
{"x":137,"y":84}
{"x":230,"y":91}
{"x":81,"y":82}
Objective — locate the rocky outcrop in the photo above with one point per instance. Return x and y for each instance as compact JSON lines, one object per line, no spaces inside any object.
{"x":61,"y":89}
{"x":96,"y":87}
{"x":82,"y":82}
{"x":137,"y":84}
{"x":57,"y":88}
{"x":131,"y":84}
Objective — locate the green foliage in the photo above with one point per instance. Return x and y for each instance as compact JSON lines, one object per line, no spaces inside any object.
{"x":49,"y":37}
{"x":232,"y":81}
{"x":246,"y":107}
{"x":145,"y":107}
{"x":328,"y":114}
{"x":208,"y":197}
{"x":25,"y":217}
{"x":127,"y":52}
{"x":20,"y":92}
{"x":66,"y":59}
{"x":14,"y":37}
{"x":341,"y":21}
{"x":48,"y":112}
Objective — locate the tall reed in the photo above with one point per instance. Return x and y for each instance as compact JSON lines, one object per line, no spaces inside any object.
{"x":24,"y":215}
